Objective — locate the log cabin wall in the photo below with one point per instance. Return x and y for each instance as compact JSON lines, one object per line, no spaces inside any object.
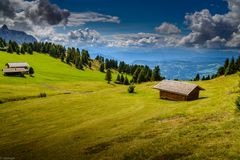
{"x":172,"y":96}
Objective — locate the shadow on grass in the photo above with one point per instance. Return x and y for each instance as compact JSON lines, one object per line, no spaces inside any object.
{"x":202,"y":98}
{"x":19,"y":76}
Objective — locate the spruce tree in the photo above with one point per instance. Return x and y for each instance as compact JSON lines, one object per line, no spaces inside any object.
{"x":30,"y":51}
{"x":10,"y":49}
{"x":208,"y":77}
{"x":126,"y":82}
{"x":80,"y":65}
{"x":220,"y":71}
{"x":156,"y":74}
{"x":135,"y":74}
{"x":231,"y":68}
{"x":118,"y":78}
{"x":197,"y":78}
{"x":101,"y":69}
{"x":238,"y":64}
{"x":122,"y":78}
{"x":22,"y":50}
{"x":141,"y":76}
{"x":62,"y":57}
{"x":90,"y":64}
{"x":226,"y":63}
{"x":108,"y":76}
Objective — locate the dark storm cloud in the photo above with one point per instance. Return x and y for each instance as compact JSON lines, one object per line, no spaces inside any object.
{"x":6,"y":9}
{"x":43,"y":11}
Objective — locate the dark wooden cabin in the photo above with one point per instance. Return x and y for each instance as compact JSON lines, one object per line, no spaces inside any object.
{"x":17,"y":68}
{"x":178,"y":91}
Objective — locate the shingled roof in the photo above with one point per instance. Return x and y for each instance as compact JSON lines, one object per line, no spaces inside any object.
{"x":17,"y":65}
{"x":176,"y":87}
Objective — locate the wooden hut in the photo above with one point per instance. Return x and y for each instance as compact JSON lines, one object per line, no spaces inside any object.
{"x":17,"y":68}
{"x":178,"y":91}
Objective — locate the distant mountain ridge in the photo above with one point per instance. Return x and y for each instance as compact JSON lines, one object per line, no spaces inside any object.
{"x":18,"y":36}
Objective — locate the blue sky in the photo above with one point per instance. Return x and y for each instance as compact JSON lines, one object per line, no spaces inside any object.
{"x":141,"y":15}
{"x":141,"y":25}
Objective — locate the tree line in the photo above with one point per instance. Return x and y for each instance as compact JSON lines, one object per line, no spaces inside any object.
{"x":230,"y":67}
{"x":139,"y":73}
{"x":69,"y":55}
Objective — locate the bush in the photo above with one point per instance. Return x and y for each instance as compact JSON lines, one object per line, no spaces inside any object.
{"x":131,"y":88}
{"x":31,"y":71}
{"x":237,"y":102}
{"x":43,"y":94}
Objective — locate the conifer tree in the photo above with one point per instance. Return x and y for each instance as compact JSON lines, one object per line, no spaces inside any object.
{"x":101,"y":69}
{"x":126,"y":82}
{"x":231,"y":68}
{"x":80,"y":65}
{"x":141,"y":75}
{"x":118,"y":78}
{"x":122,"y":78}
{"x":10,"y":49}
{"x":22,"y":50}
{"x":108,"y":76}
{"x":156,"y":74}
{"x":90,"y":64}
{"x":30,"y":51}
{"x":135,"y":74}
{"x":226,"y":63}
{"x":197,"y":78}
{"x":220,"y":71}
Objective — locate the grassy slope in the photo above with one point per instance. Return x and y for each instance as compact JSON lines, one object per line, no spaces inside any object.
{"x":48,"y":72}
{"x":101,"y":121}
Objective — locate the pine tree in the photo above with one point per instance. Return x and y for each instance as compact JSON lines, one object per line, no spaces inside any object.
{"x":238,"y":64}
{"x":220,"y":71}
{"x":197,"y":78}
{"x":17,"y":50}
{"x":80,"y":65}
{"x":156,"y":74}
{"x":77,"y":62}
{"x":226,"y":63}
{"x":10,"y":49}
{"x":30,"y":51}
{"x":62,"y":57}
{"x":118,"y":78}
{"x":108,"y":76}
{"x":141,"y":76}
{"x":231,"y":67}
{"x":22,"y":50}
{"x":208,"y":77}
{"x":101,"y":69}
{"x":126,"y":82}
{"x":135,"y":74}
{"x":90,"y":64}
{"x":122,"y":78}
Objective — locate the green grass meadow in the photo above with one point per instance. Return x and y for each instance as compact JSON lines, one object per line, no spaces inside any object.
{"x":83,"y":117}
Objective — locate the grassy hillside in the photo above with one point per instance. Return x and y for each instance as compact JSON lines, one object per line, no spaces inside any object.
{"x":47,"y":70}
{"x":94,"y":120}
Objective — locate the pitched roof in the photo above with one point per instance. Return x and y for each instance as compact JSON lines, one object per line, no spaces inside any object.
{"x":176,"y":87}
{"x":18,"y":64}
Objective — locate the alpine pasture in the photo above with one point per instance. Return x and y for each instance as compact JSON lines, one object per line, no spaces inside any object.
{"x":84,"y":117}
